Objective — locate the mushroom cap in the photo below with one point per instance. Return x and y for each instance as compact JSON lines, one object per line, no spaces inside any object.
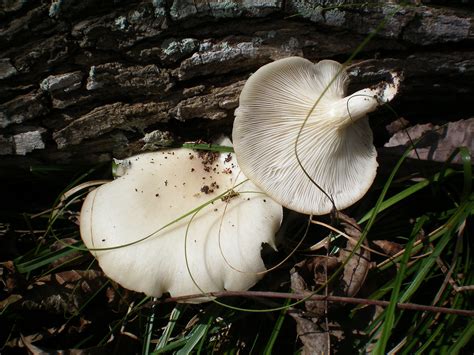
{"x":335,"y":146}
{"x":224,"y":239}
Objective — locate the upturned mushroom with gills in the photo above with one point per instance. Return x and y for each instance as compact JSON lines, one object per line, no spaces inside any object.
{"x":149,"y":233}
{"x":300,"y":139}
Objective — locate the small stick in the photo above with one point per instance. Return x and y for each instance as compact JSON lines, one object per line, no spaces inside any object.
{"x":308,"y":296}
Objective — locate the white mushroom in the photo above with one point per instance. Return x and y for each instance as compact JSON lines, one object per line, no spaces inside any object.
{"x":223,"y":240}
{"x":335,"y":144}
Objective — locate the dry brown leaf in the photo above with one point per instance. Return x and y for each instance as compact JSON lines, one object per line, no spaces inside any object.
{"x":83,"y":324}
{"x":357,"y":268}
{"x":309,"y":275}
{"x":62,"y":292}
{"x":8,"y":276}
{"x":312,"y":274}
{"x":388,"y":247}
{"x":64,"y":243}
{"x":9,"y":300}
{"x":122,"y":345}
{"x":313,"y":337}
{"x":438,"y":142}
{"x":23,"y":340}
{"x":33,"y":350}
{"x":397,"y":125}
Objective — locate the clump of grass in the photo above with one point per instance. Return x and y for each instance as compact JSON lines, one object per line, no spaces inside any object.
{"x":431,"y":269}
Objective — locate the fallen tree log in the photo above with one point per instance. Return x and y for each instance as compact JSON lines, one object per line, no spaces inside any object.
{"x":82,"y":82}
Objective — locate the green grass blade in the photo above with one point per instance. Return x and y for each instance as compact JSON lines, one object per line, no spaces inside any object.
{"x":465,"y":337}
{"x":44,"y":259}
{"x":172,"y":346}
{"x":427,"y":264}
{"x":276,"y":330}
{"x":149,"y":330}
{"x":467,"y":168}
{"x":404,"y":194}
{"x":390,"y":311}
{"x":174,"y":316}
{"x":428,"y":342}
{"x":421,"y":329}
{"x":198,"y":333}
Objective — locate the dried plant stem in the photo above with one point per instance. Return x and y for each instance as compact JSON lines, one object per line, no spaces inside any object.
{"x":464,"y":288}
{"x":339,"y":299}
{"x":418,"y":242}
{"x":345,"y":235}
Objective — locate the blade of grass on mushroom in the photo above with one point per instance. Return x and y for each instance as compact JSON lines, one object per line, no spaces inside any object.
{"x":183,"y":216}
{"x":209,"y":147}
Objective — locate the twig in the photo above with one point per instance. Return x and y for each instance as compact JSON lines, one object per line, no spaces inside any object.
{"x":300,"y":296}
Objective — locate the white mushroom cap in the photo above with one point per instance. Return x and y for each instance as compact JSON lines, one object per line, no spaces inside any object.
{"x":156,"y":189}
{"x":335,"y":146}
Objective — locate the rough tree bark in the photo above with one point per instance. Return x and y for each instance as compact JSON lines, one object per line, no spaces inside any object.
{"x":82,"y":81}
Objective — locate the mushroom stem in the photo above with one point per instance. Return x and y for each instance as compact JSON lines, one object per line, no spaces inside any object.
{"x":351,"y":108}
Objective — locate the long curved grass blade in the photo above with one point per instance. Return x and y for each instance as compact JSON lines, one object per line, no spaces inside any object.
{"x":405,"y":194}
